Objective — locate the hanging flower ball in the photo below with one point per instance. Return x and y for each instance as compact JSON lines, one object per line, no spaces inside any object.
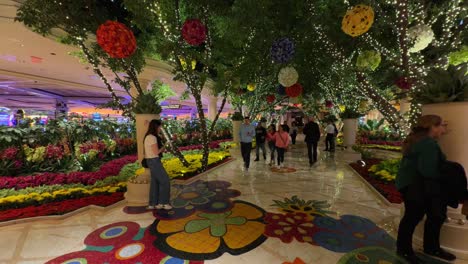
{"x":421,"y":36}
{"x":342,"y":108}
{"x":328,"y":104}
{"x":194,"y":32}
{"x":270,"y":98}
{"x":116,"y":39}
{"x":294,"y":91}
{"x":357,"y":20}
{"x":403,"y":83}
{"x":288,"y":76}
{"x":282,"y":50}
{"x":368,"y":60}
{"x":251,"y":87}
{"x":363,"y":105}
{"x":281,"y":90}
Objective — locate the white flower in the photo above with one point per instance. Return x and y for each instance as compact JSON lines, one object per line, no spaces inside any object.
{"x":421,"y":36}
{"x":288,"y":76}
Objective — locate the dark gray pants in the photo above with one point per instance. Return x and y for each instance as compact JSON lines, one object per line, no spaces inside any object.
{"x":160,"y":186}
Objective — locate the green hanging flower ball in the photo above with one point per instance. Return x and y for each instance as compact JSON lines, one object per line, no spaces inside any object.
{"x":459,"y":57}
{"x":368,"y":60}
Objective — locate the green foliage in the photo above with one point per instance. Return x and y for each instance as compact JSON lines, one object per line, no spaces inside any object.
{"x":147,"y":103}
{"x":365,"y":154}
{"x":372,"y":125}
{"x":161,"y":91}
{"x":443,"y":86}
{"x":237,"y":116}
{"x":459,"y":57}
{"x":350,"y":113}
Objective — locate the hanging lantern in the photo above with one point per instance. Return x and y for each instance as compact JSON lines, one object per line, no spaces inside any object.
{"x":403,"y":83}
{"x":282,"y":50}
{"x":288,"y":76}
{"x":281,"y":90}
{"x":357,"y":20}
{"x":368,"y":60}
{"x":116,"y":39}
{"x":270,"y":98}
{"x":294,"y":90}
{"x":342,"y":108}
{"x":251,"y":87}
{"x":194,"y":32}
{"x":421,"y":36}
{"x":328,"y":104}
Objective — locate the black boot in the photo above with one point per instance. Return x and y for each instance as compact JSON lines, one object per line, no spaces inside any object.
{"x":440,"y":253}
{"x":411,"y":258}
{"x":256,"y":159}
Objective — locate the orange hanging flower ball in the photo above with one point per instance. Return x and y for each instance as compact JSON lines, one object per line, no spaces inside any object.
{"x":358,"y":20}
{"x":270,"y":98}
{"x":294,"y":91}
{"x":116,"y":39}
{"x":194,"y":32}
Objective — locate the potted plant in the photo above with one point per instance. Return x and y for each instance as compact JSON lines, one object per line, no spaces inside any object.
{"x":350,"y":119}
{"x":446,"y":94}
{"x":146,"y":108}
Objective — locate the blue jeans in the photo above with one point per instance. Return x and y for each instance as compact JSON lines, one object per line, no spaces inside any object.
{"x":160,"y":186}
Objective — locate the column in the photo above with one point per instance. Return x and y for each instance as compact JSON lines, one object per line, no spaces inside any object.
{"x":61,"y":109}
{"x":405,"y":106}
{"x":212,"y":108}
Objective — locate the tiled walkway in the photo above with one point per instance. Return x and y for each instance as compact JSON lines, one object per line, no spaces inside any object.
{"x":329,"y":180}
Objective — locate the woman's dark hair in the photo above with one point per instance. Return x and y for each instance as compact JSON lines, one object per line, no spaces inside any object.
{"x":272,"y":127}
{"x":152,"y":127}
{"x":420,"y":131}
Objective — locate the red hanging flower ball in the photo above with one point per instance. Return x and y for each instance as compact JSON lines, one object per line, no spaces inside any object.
{"x":403,"y":83}
{"x":270,"y":98}
{"x":294,"y":91}
{"x":116,"y":39}
{"x":328,"y":104}
{"x":194,"y":32}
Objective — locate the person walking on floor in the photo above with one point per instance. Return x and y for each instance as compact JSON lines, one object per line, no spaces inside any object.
{"x":271,"y":143}
{"x":281,"y":144}
{"x":330,"y":138}
{"x":312,"y":136}
{"x":293,"y":132}
{"x":260,"y":137}
{"x":246,"y":133}
{"x":160,"y":186}
{"x":419,"y":180}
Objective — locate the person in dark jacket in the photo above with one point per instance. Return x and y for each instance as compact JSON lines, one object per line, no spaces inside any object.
{"x":312,"y":135}
{"x":260,"y":137}
{"x":419,"y":179}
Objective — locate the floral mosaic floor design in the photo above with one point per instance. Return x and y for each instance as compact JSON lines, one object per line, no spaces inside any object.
{"x":282,"y":170}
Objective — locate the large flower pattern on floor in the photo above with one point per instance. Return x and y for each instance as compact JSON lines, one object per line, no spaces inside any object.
{"x":289,"y":226}
{"x":122,"y":242}
{"x":350,"y":232}
{"x":203,"y":236}
{"x":205,"y":196}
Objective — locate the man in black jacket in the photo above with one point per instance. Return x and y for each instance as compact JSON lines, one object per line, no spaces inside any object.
{"x":312,"y":136}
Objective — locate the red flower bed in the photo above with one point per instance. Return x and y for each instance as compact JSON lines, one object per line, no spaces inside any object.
{"x":110,"y":168}
{"x":389,"y":191}
{"x":213,"y":145}
{"x":59,"y":208}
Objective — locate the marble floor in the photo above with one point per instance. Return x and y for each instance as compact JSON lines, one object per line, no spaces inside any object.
{"x":328,"y":180}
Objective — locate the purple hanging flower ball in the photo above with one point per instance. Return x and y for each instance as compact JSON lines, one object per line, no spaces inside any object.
{"x":281,"y":90}
{"x":282,"y":50}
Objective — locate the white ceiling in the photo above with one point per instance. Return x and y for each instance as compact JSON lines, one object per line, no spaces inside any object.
{"x":37,"y":70}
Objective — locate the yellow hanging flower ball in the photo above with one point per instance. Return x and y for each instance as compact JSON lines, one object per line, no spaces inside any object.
{"x":251,"y":87}
{"x":358,"y":20}
{"x":342,"y":108}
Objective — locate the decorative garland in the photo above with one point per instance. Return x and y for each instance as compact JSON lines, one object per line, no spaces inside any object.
{"x":116,"y":39}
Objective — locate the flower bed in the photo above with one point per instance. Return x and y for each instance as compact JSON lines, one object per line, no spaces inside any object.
{"x":366,"y":141}
{"x":383,"y":185}
{"x":213,"y":145}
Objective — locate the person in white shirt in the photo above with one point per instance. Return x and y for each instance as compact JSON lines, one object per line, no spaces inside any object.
{"x":160,"y":186}
{"x":330,"y":138}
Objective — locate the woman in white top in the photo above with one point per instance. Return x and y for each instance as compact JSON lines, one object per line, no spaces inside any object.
{"x":330,"y":139}
{"x":160,"y":186}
